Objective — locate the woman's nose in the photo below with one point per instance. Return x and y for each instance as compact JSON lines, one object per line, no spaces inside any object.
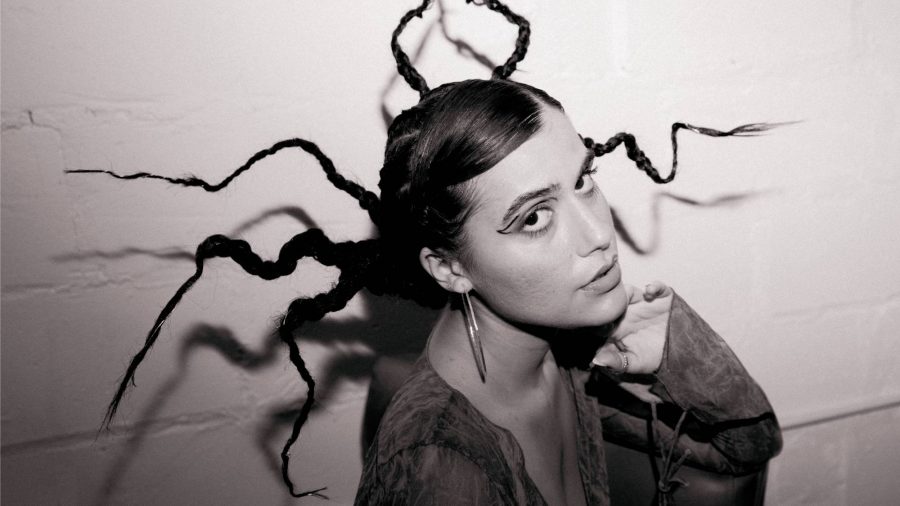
{"x":595,"y":228}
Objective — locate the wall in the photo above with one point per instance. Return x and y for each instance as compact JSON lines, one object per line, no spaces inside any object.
{"x":800,"y":273}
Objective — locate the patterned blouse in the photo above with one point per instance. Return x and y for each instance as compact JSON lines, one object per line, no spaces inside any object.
{"x":434,"y":447}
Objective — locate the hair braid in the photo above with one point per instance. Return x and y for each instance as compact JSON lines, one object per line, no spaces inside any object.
{"x":640,"y":159}
{"x":355,"y":261}
{"x":522,"y":39}
{"x":351,"y":280}
{"x":404,"y":66}
{"x":367,"y":200}
{"x":349,"y":256}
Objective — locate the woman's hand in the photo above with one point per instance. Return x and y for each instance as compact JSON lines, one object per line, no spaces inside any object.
{"x":638,"y":338}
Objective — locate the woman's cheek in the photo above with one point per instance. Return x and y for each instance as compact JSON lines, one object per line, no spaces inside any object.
{"x":532,"y":294}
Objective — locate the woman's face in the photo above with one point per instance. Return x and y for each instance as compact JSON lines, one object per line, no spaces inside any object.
{"x":540,"y":243}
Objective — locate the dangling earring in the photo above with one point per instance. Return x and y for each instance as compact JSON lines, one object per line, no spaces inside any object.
{"x":472,"y":330}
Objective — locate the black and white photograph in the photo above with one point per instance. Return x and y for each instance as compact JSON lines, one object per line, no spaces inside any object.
{"x":450,"y":252}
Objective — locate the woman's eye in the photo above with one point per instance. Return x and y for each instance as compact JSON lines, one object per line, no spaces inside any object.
{"x":537,"y":220}
{"x":585,"y":183}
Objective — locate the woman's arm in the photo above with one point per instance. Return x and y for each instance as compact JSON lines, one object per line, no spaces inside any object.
{"x":728,"y":426}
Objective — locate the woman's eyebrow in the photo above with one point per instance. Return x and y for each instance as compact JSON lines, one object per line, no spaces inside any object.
{"x":543,"y":192}
{"x":526,"y":197}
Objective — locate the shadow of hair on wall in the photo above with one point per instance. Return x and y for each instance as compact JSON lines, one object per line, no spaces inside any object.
{"x":390,"y":327}
{"x":394,"y":327}
{"x":650,"y":243}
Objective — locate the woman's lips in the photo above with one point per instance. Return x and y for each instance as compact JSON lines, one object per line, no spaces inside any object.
{"x":606,"y":279}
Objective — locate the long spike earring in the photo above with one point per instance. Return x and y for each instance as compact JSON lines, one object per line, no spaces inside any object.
{"x":472,"y":330}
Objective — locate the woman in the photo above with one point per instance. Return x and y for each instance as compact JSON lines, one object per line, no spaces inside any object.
{"x":500,"y":207}
{"x":487,"y":202}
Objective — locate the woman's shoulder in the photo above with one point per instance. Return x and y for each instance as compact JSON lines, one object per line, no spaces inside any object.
{"x":426,"y":411}
{"x":414,"y":415}
{"x":431,"y":435}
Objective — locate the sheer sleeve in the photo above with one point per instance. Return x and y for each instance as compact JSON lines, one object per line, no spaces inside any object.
{"x":428,"y":475}
{"x":711,"y":407}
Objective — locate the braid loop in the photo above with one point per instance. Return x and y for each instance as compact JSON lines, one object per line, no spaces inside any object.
{"x":415,"y":79}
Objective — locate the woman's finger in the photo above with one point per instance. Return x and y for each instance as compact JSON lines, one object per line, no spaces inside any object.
{"x":656,"y":290}
{"x":614,"y":359}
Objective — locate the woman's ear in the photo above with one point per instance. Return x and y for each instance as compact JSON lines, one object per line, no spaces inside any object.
{"x":446,"y":270}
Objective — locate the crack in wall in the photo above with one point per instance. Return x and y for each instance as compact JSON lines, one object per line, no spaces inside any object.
{"x":161,"y":426}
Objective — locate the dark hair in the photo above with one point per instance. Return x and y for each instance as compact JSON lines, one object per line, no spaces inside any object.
{"x":456,"y":132}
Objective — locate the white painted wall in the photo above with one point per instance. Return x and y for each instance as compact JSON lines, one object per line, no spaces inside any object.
{"x":801,"y":277}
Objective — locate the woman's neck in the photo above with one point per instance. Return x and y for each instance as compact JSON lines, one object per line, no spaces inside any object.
{"x":517,"y":362}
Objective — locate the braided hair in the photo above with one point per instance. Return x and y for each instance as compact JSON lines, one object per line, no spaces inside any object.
{"x":434,"y":150}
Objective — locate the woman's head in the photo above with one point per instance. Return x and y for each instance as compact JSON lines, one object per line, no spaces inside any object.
{"x":434,"y":150}
{"x":541,"y":247}
{"x":457,"y":163}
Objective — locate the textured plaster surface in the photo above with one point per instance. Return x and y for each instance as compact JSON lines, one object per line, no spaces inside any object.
{"x":800,"y":274}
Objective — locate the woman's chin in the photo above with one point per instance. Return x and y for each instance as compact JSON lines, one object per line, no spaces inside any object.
{"x":598,"y":310}
{"x":612,"y":305}
{"x":616,"y":302}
